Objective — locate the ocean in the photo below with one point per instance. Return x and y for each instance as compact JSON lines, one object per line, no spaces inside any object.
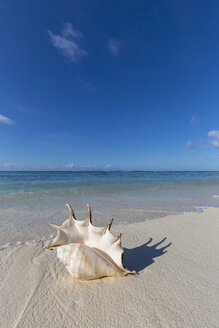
{"x":29,"y":201}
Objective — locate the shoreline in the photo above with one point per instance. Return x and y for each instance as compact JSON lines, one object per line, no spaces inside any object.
{"x":176,"y":257}
{"x":199,"y":209}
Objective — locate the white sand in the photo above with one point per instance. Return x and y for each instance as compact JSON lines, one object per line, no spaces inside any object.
{"x":178,"y":288}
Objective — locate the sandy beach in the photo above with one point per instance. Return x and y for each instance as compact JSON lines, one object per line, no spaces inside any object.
{"x":110,"y":108}
{"x":177,"y":284}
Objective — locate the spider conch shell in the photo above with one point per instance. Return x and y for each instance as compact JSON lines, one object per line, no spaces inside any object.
{"x":88,"y":252}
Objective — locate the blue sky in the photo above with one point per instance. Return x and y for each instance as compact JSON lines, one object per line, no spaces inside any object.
{"x":109,"y":85}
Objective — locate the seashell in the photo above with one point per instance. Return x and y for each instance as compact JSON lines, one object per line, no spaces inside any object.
{"x":88,"y":252}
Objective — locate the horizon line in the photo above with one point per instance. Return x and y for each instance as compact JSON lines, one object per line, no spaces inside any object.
{"x":108,"y":171}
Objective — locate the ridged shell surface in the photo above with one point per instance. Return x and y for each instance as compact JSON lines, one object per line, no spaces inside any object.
{"x":88,"y":252}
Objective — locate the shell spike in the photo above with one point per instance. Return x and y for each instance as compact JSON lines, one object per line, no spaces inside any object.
{"x":89,"y":215}
{"x":48,"y":246}
{"x":55,"y":226}
{"x":71,"y":212}
{"x":118,"y":238}
{"x":108,"y":226}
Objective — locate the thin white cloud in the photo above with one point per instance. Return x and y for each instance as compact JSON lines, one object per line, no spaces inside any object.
{"x":194,"y":120}
{"x":6,"y":120}
{"x":78,"y":167}
{"x":69,"y":31}
{"x":214,"y":135}
{"x":70,"y":165}
{"x":114,"y":46}
{"x":68,"y":42}
{"x":190,"y":144}
{"x":9,"y":165}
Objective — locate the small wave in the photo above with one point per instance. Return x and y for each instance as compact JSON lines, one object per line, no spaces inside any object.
{"x":198,"y":209}
{"x":26,"y":242}
{"x":21,"y":192}
{"x":23,"y":195}
{"x":214,"y":196}
{"x":201,"y":208}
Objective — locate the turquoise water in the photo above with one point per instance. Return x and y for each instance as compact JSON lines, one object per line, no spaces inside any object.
{"x":30,"y":200}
